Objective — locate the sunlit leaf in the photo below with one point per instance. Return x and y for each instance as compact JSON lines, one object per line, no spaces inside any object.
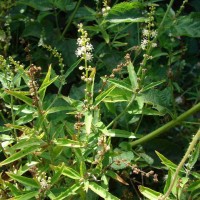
{"x":63,"y":142}
{"x":26,"y":196}
{"x":103,"y":95}
{"x":132,"y":76}
{"x":46,"y":82}
{"x":116,"y":177}
{"x":118,"y":133}
{"x":22,"y":96}
{"x":68,"y":192}
{"x":149,"y":193}
{"x":101,"y":191}
{"x":19,"y":155}
{"x":24,"y":180}
{"x":68,"y":171}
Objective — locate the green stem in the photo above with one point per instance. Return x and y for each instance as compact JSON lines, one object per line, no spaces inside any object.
{"x":187,"y":154}
{"x":71,"y":18}
{"x":122,"y":113}
{"x":167,"y":126}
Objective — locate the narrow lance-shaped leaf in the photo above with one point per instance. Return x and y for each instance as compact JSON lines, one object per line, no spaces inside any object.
{"x":103,"y":95}
{"x":27,"y":196}
{"x":24,"y":180}
{"x":132,"y":76}
{"x":120,"y":84}
{"x":68,"y":192}
{"x":46,"y":82}
{"x":57,"y":175}
{"x":116,"y":177}
{"x":68,"y":171}
{"x":149,"y":193}
{"x":118,"y":133}
{"x":70,"y":70}
{"x":22,"y":96}
{"x":63,"y":142}
{"x":19,"y":155}
{"x":101,"y":191}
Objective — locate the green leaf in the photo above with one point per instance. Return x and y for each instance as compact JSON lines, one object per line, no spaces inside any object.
{"x":188,"y":25}
{"x":71,"y":69}
{"x":194,"y":186}
{"x":125,"y":12}
{"x":116,"y":177}
{"x":57,"y":175}
{"x":152,"y":85}
{"x":101,"y":191}
{"x":68,"y":192}
{"x":24,"y":180}
{"x":168,"y":181}
{"x":103,"y":95}
{"x":14,"y":190}
{"x":166,"y":162}
{"x":2,"y":35}
{"x":25,"y":143}
{"x":22,"y":96}
{"x":127,"y":20}
{"x":67,"y":171}
{"x":37,"y":4}
{"x":46,"y":82}
{"x":132,"y":76}
{"x":19,"y":155}
{"x":149,"y":193}
{"x":63,"y":142}
{"x":26,"y":196}
{"x":118,"y":95}
{"x":118,"y":133}
{"x":120,"y":84}
{"x":88,"y":121}
{"x":25,"y":119}
{"x":122,"y":159}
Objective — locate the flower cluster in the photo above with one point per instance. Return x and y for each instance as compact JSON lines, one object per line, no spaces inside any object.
{"x":85,"y":48}
{"x":105,"y":8}
{"x":148,"y":33}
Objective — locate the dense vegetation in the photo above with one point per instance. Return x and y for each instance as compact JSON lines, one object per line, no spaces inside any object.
{"x":99,"y":99}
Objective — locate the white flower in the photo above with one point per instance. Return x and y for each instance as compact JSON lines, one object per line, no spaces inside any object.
{"x":144,"y":44}
{"x":154,"y":45}
{"x":84,"y":46}
{"x":145,"y":32}
{"x":78,"y":52}
{"x":89,"y":56}
{"x":154,"y":34}
{"x":89,"y":47}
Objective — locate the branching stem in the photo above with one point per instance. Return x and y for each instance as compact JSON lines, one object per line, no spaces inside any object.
{"x":167,"y":126}
{"x":189,"y":150}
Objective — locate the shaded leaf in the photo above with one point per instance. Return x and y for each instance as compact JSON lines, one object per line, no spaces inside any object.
{"x":187,"y":25}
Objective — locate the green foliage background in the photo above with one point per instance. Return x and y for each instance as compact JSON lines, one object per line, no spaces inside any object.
{"x":39,"y":144}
